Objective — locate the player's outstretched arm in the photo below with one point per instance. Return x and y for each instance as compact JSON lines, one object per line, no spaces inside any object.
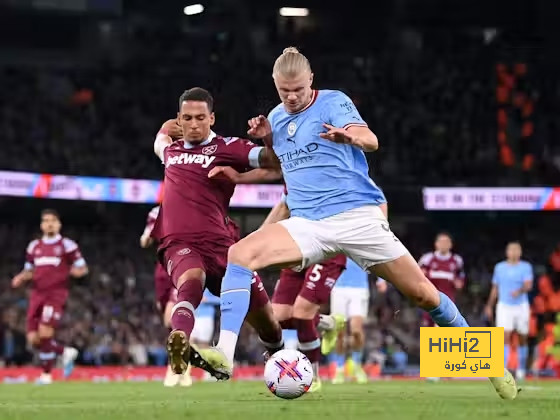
{"x":22,"y":277}
{"x":268,"y":159}
{"x":255,"y":176}
{"x":356,"y":135}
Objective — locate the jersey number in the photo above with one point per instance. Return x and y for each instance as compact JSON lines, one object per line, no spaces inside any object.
{"x":315,"y":272}
{"x":47,"y":314}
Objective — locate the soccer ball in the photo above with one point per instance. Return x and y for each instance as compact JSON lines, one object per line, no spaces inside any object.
{"x":288,"y":374}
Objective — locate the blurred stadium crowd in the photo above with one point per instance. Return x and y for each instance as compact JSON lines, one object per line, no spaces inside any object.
{"x":437,"y":109}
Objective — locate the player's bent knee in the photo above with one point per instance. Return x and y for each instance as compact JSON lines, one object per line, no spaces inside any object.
{"x":194,"y":274}
{"x":304,"y":309}
{"x":282,"y":312}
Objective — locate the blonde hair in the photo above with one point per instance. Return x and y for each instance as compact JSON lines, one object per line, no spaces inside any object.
{"x":290,"y":63}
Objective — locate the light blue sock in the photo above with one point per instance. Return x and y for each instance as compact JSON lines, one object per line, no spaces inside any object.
{"x":523,"y":354}
{"x":234,"y":304}
{"x":357,"y":357}
{"x":506,"y":355}
{"x":339,"y":359}
{"x":447,"y":314}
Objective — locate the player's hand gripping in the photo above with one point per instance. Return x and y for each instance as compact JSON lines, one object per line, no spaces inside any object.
{"x":224,"y":172}
{"x":259,"y":127}
{"x":336,"y":135}
{"x":173,"y":129}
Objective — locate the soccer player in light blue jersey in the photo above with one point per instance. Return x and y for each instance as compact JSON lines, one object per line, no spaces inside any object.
{"x":511,"y":283}
{"x":320,"y":138}
{"x":350,"y":298}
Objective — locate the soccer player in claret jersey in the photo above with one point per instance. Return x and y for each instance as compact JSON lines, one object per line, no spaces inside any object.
{"x":166,"y":297}
{"x":444,"y":268}
{"x":320,"y":138}
{"x":49,"y":262}
{"x":194,"y":231}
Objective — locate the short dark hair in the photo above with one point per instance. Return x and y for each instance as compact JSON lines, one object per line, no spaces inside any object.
{"x":444,"y":233}
{"x":197,"y":94}
{"x":50,"y":212}
{"x":514,"y":242}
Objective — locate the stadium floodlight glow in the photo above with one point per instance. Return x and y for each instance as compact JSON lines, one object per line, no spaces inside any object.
{"x":294,"y":11}
{"x":193,"y":9}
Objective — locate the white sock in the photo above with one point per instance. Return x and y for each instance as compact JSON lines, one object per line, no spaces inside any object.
{"x":315,"y":369}
{"x":227,"y":343}
{"x":326,"y":323}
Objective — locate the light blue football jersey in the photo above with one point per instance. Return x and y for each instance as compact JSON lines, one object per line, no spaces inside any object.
{"x":353,"y":276}
{"x":323,"y":178}
{"x":510,"y":277}
{"x":207,"y":309}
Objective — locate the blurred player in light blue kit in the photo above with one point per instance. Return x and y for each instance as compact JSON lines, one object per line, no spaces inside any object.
{"x":350,"y":298}
{"x":319,"y":139}
{"x":511,"y":283}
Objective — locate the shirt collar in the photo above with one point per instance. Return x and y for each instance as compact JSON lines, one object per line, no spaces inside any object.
{"x":211,"y":137}
{"x":49,"y":240}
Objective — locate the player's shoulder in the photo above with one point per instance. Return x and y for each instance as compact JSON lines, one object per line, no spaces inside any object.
{"x":69,"y":244}
{"x":32,"y":245}
{"x":458,"y":259}
{"x":499,"y":265}
{"x":276,"y":112}
{"x":426,"y":258}
{"x":526,"y":264}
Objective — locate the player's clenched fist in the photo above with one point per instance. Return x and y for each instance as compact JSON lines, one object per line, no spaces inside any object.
{"x":173,"y":129}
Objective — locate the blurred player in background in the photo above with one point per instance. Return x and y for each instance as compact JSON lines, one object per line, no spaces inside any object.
{"x":350,"y":299}
{"x":194,"y":233}
{"x":49,"y":262}
{"x":205,"y":320}
{"x":445,"y":270}
{"x":511,"y":282}
{"x":166,"y":297}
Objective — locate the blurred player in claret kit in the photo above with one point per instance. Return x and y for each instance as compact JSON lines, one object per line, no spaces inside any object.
{"x":445,"y":269}
{"x":350,"y":299}
{"x":511,"y":282}
{"x":49,"y":262}
{"x":194,"y":232}
{"x":166,"y":297}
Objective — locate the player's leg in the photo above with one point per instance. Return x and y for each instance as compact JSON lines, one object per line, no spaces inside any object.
{"x":262,"y":318}
{"x":522,"y":328}
{"x":339,"y":307}
{"x":49,"y":347}
{"x":358,"y":310}
{"x":187,"y":272}
{"x":505,"y":319}
{"x":164,"y":289}
{"x":271,"y":245}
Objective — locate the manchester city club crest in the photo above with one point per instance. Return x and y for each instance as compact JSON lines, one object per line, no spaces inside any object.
{"x":292,"y":127}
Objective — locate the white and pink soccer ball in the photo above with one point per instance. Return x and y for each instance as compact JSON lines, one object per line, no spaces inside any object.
{"x":288,"y":374}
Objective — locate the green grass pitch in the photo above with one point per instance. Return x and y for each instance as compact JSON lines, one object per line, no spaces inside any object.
{"x":382,"y":400}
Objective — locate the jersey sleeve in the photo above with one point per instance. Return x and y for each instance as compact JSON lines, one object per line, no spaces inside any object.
{"x":341,"y":112}
{"x":460,"y":268}
{"x":73,"y":253}
{"x":496,"y":275}
{"x":29,"y":255}
{"x":245,"y":153}
{"x":424,"y":262}
{"x":528,"y":272}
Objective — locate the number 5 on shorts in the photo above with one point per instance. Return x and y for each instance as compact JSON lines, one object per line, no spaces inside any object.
{"x":315,"y":272}
{"x":47,"y":313}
